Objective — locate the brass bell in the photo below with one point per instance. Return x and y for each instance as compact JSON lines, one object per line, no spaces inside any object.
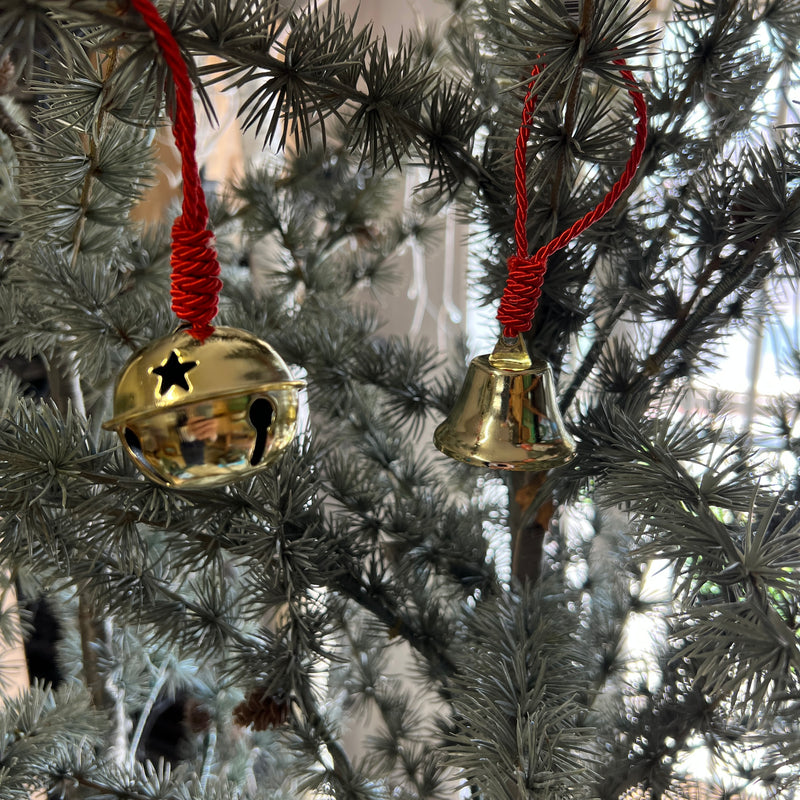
{"x":506,"y":416}
{"x":193,"y":415}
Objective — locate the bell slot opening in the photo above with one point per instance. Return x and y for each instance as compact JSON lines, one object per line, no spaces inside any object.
{"x":135,"y":447}
{"x":261,"y":414}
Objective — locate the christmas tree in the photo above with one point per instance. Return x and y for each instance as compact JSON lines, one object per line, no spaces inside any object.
{"x":622,"y":626}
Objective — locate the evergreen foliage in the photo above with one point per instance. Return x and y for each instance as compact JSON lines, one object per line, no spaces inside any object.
{"x":280,"y":602}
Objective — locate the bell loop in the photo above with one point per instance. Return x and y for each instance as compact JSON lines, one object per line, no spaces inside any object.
{"x":510,"y":353}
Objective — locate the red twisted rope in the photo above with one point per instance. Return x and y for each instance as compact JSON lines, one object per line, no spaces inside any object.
{"x":195,"y":270}
{"x":526,"y":273}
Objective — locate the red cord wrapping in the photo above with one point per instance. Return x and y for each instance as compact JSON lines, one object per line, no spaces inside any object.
{"x":526,"y":273}
{"x":195,"y":270}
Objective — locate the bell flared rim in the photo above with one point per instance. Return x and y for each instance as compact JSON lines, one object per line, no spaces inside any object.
{"x":506,"y":457}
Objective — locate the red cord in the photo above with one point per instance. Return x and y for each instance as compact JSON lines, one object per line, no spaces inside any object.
{"x":195,"y":270}
{"x":526,"y":273}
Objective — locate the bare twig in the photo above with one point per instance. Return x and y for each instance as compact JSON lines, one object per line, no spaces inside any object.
{"x":527,"y":538}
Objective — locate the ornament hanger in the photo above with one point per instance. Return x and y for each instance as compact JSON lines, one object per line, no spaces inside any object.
{"x":506,"y":415}
{"x":195,"y":269}
{"x":201,"y":407}
{"x":526,"y":273}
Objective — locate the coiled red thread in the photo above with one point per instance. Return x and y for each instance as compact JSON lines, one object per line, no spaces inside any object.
{"x":195,"y":269}
{"x":526,"y":273}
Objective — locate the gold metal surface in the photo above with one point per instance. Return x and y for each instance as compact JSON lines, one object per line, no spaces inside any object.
{"x":506,"y":416}
{"x":194,"y":415}
{"x":510,"y":354}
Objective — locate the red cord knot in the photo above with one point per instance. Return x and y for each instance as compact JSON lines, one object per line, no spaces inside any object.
{"x":521,"y":296}
{"x":195,"y":277}
{"x":195,"y":271}
{"x":526,"y":273}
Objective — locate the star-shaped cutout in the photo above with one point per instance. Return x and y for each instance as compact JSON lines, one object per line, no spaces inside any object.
{"x":173,"y":373}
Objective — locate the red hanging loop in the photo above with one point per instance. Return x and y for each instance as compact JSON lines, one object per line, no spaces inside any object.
{"x":195,"y":269}
{"x":526,"y":273}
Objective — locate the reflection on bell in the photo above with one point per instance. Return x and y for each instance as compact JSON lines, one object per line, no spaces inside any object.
{"x":192,"y":415}
{"x":506,"y":416}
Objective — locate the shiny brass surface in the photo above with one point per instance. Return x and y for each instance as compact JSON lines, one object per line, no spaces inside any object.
{"x":506,"y":416}
{"x":510,"y":354}
{"x":194,"y":415}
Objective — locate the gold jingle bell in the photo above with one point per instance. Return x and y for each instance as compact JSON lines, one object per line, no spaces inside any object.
{"x":193,"y":415}
{"x":506,"y":416}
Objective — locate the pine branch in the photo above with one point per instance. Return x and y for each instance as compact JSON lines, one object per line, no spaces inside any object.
{"x":679,"y":710}
{"x":593,"y":355}
{"x":366,"y":597}
{"x":106,"y":789}
{"x":584,"y":34}
{"x":104,"y":567}
{"x":733,"y":276}
{"x":343,"y":774}
{"x":696,"y":172}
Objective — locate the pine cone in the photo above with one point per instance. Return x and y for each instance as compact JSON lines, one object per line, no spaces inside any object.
{"x":262,"y":711}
